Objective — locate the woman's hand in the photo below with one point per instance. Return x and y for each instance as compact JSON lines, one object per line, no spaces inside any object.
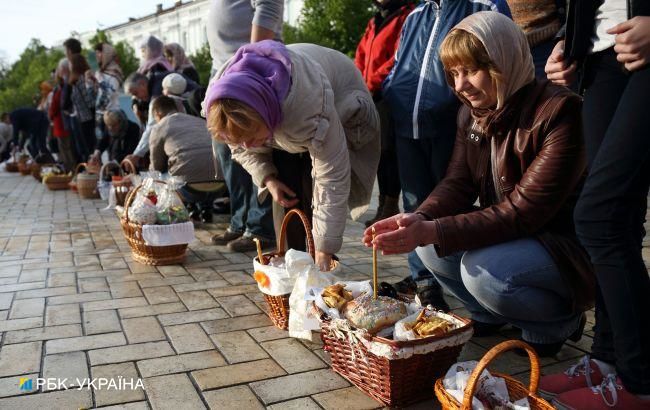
{"x":323,"y":261}
{"x":401,"y":233}
{"x":280,"y":192}
{"x":556,"y":68}
{"x":632,"y":42}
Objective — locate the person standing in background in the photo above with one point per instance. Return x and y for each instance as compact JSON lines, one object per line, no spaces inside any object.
{"x":610,"y":42}
{"x":59,"y":131}
{"x":175,"y":54}
{"x":374,"y":58}
{"x":83,"y":101}
{"x":232,"y":24}
{"x":106,"y":83}
{"x":144,"y":85}
{"x":540,"y":20}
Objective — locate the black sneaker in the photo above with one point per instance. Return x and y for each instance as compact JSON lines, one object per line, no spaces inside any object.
{"x":432,"y":295}
{"x":406,"y":286}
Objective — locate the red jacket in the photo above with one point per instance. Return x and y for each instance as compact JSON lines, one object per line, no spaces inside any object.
{"x":56,"y":115}
{"x":376,"y":51}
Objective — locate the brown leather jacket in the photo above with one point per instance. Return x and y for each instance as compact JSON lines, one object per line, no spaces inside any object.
{"x":526,"y":165}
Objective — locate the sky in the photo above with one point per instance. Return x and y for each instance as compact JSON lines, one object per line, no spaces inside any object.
{"x":53,"y":21}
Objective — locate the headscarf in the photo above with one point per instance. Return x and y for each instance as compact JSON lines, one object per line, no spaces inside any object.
{"x":109,"y":63}
{"x":259,"y":76}
{"x":152,"y":55}
{"x":507,"y":48}
{"x":179,"y":59}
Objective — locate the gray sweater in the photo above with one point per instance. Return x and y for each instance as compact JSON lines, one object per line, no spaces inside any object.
{"x":181,"y":145}
{"x":230,"y":23}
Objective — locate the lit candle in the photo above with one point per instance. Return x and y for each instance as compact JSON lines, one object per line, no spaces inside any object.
{"x":260,"y":257}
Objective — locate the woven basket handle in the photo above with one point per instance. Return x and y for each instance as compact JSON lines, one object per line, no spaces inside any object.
{"x":128,"y":167}
{"x":106,"y":166}
{"x":472,"y":383}
{"x":131,"y":196}
{"x":311,"y":248}
{"x":80,"y":165}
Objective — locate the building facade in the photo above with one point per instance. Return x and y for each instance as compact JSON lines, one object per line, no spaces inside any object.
{"x":183,"y":23}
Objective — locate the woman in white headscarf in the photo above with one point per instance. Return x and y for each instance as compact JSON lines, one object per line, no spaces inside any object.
{"x":519,"y":149}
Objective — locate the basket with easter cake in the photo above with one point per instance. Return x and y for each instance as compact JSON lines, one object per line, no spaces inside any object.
{"x":392,"y":349}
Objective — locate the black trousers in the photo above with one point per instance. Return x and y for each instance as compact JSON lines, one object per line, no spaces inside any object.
{"x":295,"y":172}
{"x":611,"y":212}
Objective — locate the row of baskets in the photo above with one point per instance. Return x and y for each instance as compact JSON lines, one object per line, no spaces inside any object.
{"x":399,"y":379}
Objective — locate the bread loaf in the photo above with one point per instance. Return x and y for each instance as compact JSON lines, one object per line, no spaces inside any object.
{"x":374,"y":315}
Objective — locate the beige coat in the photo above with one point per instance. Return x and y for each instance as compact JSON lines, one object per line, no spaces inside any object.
{"x":330,"y":114}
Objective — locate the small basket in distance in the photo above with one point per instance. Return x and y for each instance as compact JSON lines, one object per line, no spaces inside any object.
{"x":516,"y":389}
{"x":86,"y":182}
{"x":123,"y":184}
{"x":57,"y":182}
{"x":141,"y":252}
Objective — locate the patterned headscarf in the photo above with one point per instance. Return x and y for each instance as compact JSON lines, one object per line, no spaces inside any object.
{"x":179,"y":60}
{"x":109,"y":63}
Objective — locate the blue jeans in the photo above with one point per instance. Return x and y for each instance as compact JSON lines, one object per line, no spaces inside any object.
{"x":513,"y":282}
{"x":422,"y":164}
{"x":247,"y":214}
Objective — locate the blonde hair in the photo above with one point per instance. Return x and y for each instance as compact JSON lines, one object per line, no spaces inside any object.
{"x":462,"y":48}
{"x":233,"y":118}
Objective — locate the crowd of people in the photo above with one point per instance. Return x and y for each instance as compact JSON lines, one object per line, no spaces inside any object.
{"x":512,"y":130}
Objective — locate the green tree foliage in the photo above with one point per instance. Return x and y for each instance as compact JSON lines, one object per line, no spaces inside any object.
{"x":203,"y":63}
{"x":128,"y":61}
{"x":125,"y":53}
{"x":19,"y":83}
{"x":337,"y":24}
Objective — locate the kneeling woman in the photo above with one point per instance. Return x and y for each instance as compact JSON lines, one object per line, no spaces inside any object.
{"x":300,"y":98}
{"x":519,"y":149}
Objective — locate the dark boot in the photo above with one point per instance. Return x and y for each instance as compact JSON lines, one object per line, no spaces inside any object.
{"x":382,"y":199}
{"x":391,"y":207}
{"x":432,"y":295}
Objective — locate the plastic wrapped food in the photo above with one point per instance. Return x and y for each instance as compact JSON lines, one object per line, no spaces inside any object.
{"x":170,"y":207}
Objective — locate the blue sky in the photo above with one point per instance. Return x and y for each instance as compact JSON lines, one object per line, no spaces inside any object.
{"x":53,"y":21}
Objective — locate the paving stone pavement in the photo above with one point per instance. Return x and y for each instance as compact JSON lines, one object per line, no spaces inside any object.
{"x":73,"y":304}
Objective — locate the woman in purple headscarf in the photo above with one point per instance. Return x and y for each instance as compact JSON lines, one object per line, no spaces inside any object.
{"x":300,"y":98}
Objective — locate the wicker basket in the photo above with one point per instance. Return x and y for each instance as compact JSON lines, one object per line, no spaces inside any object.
{"x":394,"y":382}
{"x":11,"y":167}
{"x":124,"y":185}
{"x":141,"y":252}
{"x":516,"y":389}
{"x":58,"y":182}
{"x":279,"y":305}
{"x":36,"y":170}
{"x":86,"y":182}
{"x":25,"y":167}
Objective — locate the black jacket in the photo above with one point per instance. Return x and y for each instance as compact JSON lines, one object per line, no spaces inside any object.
{"x":580,"y":25}
{"x":122,"y":145}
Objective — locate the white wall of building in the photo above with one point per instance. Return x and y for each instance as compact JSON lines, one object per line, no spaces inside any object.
{"x":184,"y":24}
